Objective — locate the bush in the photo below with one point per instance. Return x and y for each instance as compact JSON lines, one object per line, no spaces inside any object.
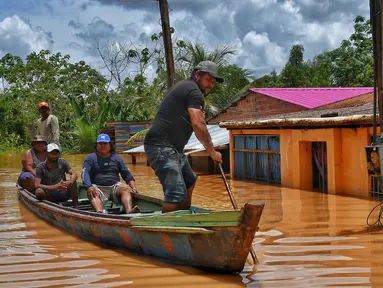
{"x":11,"y":142}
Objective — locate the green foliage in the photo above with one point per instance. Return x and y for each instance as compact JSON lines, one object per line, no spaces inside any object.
{"x":352,"y":63}
{"x":269,"y":80}
{"x":295,"y":73}
{"x":86,"y":136}
{"x":47,"y":77}
{"x":138,"y":137}
{"x":11,"y":142}
{"x":223,"y":93}
{"x":192,"y":54}
{"x":349,"y":65}
{"x":82,"y":100}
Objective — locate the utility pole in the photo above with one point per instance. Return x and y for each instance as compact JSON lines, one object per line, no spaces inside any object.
{"x":378,"y":11}
{"x":376,"y":29}
{"x":375,"y":24}
{"x":164,"y":9}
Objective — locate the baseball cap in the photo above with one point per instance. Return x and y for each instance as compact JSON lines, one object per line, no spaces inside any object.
{"x":103,"y":138}
{"x":211,"y":68}
{"x":53,"y":146}
{"x":43,"y":104}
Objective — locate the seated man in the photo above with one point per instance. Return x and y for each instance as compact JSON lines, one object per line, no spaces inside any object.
{"x":51,"y":181}
{"x":101,"y":176}
{"x":31,"y":159}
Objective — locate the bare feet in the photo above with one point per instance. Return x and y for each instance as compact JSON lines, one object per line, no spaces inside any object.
{"x":135,"y":209}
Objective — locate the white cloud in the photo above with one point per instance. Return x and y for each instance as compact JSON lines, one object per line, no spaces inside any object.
{"x":262,"y":54}
{"x":20,"y":38}
{"x":264,"y":30}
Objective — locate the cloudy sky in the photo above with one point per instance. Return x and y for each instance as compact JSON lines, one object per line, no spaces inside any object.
{"x":262,"y":30}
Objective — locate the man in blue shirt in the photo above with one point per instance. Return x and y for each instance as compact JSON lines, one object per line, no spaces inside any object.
{"x":101,"y":176}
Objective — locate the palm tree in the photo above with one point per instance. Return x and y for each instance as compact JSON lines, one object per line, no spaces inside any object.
{"x":192,"y":54}
{"x":188,"y":55}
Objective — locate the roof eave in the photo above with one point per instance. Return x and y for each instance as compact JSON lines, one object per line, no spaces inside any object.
{"x":355,"y":120}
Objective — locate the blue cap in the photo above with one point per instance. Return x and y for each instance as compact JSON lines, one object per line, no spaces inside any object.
{"x":103,"y":138}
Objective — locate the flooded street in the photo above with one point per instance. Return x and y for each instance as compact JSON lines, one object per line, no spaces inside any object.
{"x":306,"y":239}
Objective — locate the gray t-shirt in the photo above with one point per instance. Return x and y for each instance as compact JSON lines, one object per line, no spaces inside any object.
{"x":49,"y":129}
{"x":52,"y":176}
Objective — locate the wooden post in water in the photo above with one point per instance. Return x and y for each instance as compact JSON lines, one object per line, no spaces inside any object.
{"x":164,"y":9}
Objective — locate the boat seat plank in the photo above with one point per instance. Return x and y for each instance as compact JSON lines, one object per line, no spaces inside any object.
{"x":133,"y":215}
{"x":187,"y":230}
{"x":185,"y":223}
{"x":185,"y":218}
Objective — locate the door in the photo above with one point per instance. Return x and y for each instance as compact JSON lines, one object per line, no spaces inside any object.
{"x":319,"y":160}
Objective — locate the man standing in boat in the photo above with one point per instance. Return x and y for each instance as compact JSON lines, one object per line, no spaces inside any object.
{"x":101,"y":176}
{"x":51,"y":183}
{"x":31,"y":159}
{"x":181,"y":112}
{"x":48,"y":125}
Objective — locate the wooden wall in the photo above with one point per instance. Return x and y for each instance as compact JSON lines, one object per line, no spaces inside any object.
{"x":121,"y":131}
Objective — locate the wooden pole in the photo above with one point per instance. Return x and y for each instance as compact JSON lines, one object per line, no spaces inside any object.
{"x":234,"y":203}
{"x":375,"y":56}
{"x":164,"y":10}
{"x":378,"y":32}
{"x":376,"y":27}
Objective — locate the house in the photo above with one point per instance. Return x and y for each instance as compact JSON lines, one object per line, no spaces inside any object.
{"x":263,"y":102}
{"x":320,"y":149}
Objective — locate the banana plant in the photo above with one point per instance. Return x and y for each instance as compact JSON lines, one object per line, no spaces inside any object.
{"x":85,"y":129}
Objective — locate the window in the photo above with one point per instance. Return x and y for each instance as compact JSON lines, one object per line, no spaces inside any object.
{"x":257,"y":157}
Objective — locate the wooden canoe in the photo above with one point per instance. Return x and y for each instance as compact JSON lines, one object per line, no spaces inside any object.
{"x":213,"y":240}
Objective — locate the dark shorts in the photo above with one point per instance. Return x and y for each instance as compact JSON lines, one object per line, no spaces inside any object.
{"x":173,"y":170}
{"x":58,"y":196}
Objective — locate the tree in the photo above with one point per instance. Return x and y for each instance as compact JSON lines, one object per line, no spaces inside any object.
{"x":47,"y":77}
{"x":320,"y":71}
{"x":125,"y":59}
{"x":295,"y":73}
{"x":267,"y":81}
{"x":191,"y":54}
{"x":235,"y":78}
{"x":352,"y":63}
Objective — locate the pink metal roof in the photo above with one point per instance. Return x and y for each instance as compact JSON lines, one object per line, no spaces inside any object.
{"x":313,"y":97}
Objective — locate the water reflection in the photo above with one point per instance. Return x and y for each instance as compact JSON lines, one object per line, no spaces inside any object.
{"x":306,"y":239}
{"x":306,"y":262}
{"x":27,"y":259}
{"x":36,"y":254}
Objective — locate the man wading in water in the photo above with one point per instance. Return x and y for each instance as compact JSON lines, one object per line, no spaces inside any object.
{"x":181,"y":112}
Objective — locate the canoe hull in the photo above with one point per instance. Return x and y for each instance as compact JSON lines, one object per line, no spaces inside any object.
{"x":224,"y":249}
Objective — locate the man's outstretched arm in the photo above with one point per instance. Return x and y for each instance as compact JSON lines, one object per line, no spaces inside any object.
{"x":200,"y":129}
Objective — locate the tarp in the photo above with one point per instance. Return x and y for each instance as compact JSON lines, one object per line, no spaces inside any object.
{"x":219,"y":136}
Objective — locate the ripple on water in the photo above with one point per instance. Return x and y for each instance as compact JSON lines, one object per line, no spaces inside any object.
{"x":285,"y":263}
{"x":286,"y":258}
{"x":26,"y":262}
{"x":7,"y":184}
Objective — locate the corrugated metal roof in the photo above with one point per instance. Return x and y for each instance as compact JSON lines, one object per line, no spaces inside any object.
{"x":220,"y":137}
{"x":352,"y":102}
{"x":313,"y":97}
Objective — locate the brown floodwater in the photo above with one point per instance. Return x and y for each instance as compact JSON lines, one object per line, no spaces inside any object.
{"x":306,"y":239}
